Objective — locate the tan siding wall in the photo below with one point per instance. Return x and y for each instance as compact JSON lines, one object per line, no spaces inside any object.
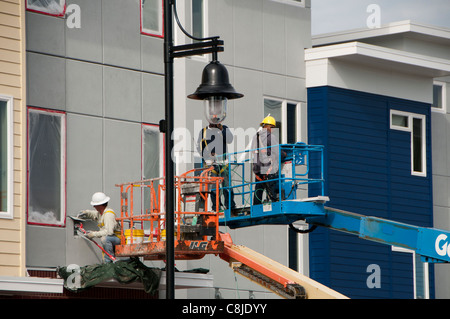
{"x":12,"y":83}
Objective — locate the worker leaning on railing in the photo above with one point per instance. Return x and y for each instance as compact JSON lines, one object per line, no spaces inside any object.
{"x":266,"y":161}
{"x":105,"y":217}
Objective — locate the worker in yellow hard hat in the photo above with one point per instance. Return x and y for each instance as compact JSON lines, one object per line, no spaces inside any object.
{"x":265,"y":161}
{"x":269,"y":121}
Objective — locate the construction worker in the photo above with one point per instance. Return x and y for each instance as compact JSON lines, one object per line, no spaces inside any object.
{"x":265,"y":161}
{"x":212,"y":146}
{"x":106,"y":220}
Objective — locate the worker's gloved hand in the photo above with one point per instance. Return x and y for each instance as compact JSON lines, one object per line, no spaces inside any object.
{"x":90,"y":235}
{"x":82,"y":215}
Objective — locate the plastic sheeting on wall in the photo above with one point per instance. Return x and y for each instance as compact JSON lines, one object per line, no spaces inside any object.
{"x":54,"y":7}
{"x":46,"y":168}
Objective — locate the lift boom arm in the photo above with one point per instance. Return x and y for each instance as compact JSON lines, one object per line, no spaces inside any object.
{"x":430,"y":243}
{"x":272,"y":275}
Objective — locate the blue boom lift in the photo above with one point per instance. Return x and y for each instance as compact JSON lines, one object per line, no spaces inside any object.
{"x":302,"y":168}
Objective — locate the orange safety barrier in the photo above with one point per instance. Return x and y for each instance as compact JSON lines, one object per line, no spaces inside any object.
{"x":197,"y":227}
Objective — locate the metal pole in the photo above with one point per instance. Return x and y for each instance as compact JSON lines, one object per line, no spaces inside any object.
{"x":169,"y":171}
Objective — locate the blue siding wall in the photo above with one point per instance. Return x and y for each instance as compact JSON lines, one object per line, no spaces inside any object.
{"x":367,"y":171}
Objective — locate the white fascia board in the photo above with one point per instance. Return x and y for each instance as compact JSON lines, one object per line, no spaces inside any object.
{"x":385,"y":30}
{"x":10,"y":285}
{"x":362,"y":33}
{"x":373,"y":54}
{"x":183,"y":280}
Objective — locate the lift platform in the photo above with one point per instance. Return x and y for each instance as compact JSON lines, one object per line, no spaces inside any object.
{"x":197,"y":226}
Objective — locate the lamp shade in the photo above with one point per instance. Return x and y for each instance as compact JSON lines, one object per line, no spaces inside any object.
{"x":215,"y":82}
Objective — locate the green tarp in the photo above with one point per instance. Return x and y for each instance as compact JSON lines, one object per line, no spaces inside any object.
{"x":77,"y":279}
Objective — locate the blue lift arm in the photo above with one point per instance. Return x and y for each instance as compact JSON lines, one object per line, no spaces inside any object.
{"x":430,"y":243}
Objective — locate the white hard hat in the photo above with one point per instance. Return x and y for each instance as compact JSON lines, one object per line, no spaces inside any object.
{"x":99,"y":198}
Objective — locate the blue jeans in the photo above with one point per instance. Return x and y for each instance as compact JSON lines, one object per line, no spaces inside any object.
{"x":109,"y":243}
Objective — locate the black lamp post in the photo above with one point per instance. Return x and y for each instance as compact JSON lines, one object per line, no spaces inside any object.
{"x":215,"y":90}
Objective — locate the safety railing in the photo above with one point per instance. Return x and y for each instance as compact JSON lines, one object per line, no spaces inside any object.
{"x":293,"y":167}
{"x":144,"y":209}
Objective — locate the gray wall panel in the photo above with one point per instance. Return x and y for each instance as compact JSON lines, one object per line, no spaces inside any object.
{"x":153,"y":104}
{"x":84,"y":161}
{"x":46,"y":81}
{"x":45,"y":246}
{"x":274,"y":38}
{"x":85,"y":43}
{"x":152,"y":54}
{"x":121,"y":33}
{"x":84,"y":92}
{"x":248,"y":45}
{"x":45,"y":34}
{"x":122,"y":94}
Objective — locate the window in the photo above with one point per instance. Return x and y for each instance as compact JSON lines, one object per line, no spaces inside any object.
{"x":152,"y":17}
{"x":287,"y":115}
{"x":152,"y":161}
{"x":415,"y":124}
{"x":152,"y":155}
{"x":51,"y":7}
{"x":198,"y":18}
{"x":6,"y":157}
{"x":439,"y":97}
{"x":400,"y":121}
{"x":46,"y":167}
{"x":420,"y":273}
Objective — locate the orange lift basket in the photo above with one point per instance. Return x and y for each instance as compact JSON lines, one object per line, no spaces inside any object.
{"x":196,"y":222}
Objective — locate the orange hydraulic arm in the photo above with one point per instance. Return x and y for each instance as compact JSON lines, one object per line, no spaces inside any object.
{"x":272,"y":275}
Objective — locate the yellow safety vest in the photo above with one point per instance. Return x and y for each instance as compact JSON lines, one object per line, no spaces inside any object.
{"x":102,"y":224}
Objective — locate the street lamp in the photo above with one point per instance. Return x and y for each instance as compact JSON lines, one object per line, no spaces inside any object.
{"x":215,"y":90}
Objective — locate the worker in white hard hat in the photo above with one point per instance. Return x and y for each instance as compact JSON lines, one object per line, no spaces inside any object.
{"x":105,"y":217}
{"x":265,"y":161}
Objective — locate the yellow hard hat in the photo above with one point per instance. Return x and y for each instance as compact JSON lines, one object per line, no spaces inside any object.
{"x":269,"y":120}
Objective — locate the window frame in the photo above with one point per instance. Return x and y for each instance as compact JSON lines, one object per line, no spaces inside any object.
{"x":426,"y":271}
{"x":63,"y":3}
{"x":152,"y":33}
{"x":410,"y":128}
{"x":9,"y":213}
{"x":63,"y":161}
{"x":444,"y":98}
